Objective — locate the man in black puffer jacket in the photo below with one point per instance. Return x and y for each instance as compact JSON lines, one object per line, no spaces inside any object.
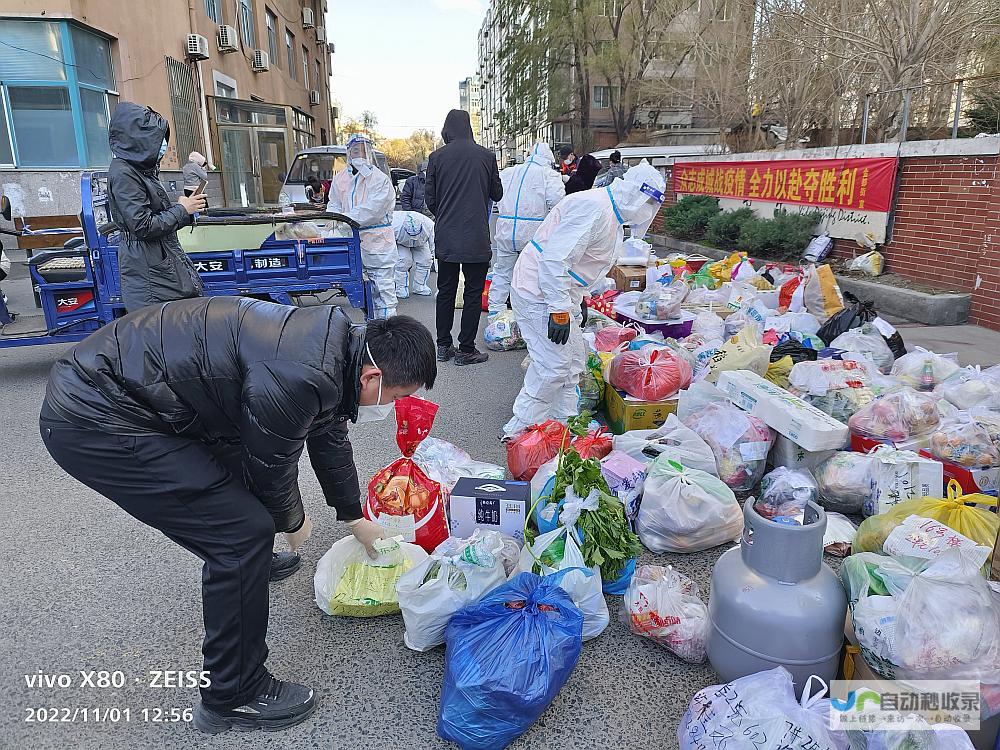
{"x":192,"y":415}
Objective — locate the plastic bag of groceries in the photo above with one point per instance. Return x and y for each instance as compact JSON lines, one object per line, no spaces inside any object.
{"x":506,"y":659}
{"x":598,"y":320}
{"x":768,"y":718}
{"x":897,"y":416}
{"x":349,"y":583}
{"x":533,"y":447}
{"x":608,"y":339}
{"x":969,"y":388}
{"x":820,"y":294}
{"x":989,"y":420}
{"x":913,"y":733}
{"x":709,"y":324}
{"x":597,"y":443}
{"x":784,"y":494}
{"x":686,"y":510}
{"x":963,"y":441}
{"x":401,"y":497}
{"x":666,"y":606}
{"x":456,"y":574}
{"x":792,"y":321}
{"x":845,"y":481}
{"x":662,"y":302}
{"x":739,"y":441}
{"x":446,"y":463}
{"x":556,"y":553}
{"x":744,"y":351}
{"x":673,"y":440}
{"x":869,"y":343}
{"x":924,"y":369}
{"x":839,"y":535}
{"x":650,"y":374}
{"x":837,"y":387}
{"x":591,"y":386}
{"x":503,"y":333}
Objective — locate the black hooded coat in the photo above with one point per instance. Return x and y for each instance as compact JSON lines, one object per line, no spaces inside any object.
{"x":462,"y":178}
{"x":154,"y":267}
{"x":585,"y":174}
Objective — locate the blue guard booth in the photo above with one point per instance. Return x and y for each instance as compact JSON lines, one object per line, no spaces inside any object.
{"x":277,"y":257}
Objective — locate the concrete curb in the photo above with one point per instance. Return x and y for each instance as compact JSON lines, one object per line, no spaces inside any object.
{"x":945,"y":309}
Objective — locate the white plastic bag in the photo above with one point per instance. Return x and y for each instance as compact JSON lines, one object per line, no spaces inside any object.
{"x":456,"y":574}
{"x":583,"y":584}
{"x":666,"y":606}
{"x":446,"y":463}
{"x":914,"y":366}
{"x":802,"y":322}
{"x":870,"y":263}
{"x":869,"y":343}
{"x":818,"y":248}
{"x":686,"y":510}
{"x":348,"y":582}
{"x":969,"y":388}
{"x":819,"y":377}
{"x":673,"y":440}
{"x":768,"y":718}
{"x":708,"y":324}
{"x":784,"y":493}
{"x":503,"y":333}
{"x":839,"y":535}
{"x":739,"y":441}
{"x":916,"y":734}
{"x":845,"y":481}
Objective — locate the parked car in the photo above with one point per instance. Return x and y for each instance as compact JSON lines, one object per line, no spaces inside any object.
{"x":399,"y":177}
{"x":323,"y":162}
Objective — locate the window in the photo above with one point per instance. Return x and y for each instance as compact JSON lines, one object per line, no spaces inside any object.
{"x":247,"y":29}
{"x":611,"y":8}
{"x":305,"y":66}
{"x":221,"y":89}
{"x":56,"y":92}
{"x":602,"y":97}
{"x":319,"y":78}
{"x":290,"y":53}
{"x":213,"y":10}
{"x":604,"y":48}
{"x":43,"y":124}
{"x":272,"y":35}
{"x":183,"y":130}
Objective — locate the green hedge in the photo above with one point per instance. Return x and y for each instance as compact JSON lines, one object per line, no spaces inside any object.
{"x":726,"y":228}
{"x":688,"y":218}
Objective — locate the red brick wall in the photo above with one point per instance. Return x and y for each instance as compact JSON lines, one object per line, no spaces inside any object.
{"x":947,"y":229}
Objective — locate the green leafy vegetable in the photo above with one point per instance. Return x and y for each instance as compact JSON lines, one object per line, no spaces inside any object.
{"x":608,"y":542}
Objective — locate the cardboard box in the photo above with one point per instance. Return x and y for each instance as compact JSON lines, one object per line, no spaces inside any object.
{"x":625,"y":415}
{"x":491,"y":505}
{"x":628,"y":278}
{"x":806,"y":425}
{"x":786,"y":452}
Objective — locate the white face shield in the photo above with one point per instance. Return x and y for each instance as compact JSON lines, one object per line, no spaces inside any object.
{"x":638,"y":197}
{"x":647,"y":212}
{"x":360,"y":154}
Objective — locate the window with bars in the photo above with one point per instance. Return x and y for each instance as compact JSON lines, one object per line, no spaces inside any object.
{"x":183,"y":129}
{"x":213,"y":9}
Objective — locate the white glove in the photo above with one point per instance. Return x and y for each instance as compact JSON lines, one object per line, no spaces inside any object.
{"x":367,"y":532}
{"x":296,"y":538}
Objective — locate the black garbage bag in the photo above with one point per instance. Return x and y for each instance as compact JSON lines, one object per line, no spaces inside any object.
{"x":896,"y":345}
{"x":854,"y":315}
{"x":794,"y":349}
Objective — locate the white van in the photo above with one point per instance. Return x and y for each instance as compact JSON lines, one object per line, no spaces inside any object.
{"x":323,"y":162}
{"x":661,"y":157}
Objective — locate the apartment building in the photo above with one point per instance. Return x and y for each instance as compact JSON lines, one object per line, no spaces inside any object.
{"x":246,"y":82}
{"x":470,"y":99}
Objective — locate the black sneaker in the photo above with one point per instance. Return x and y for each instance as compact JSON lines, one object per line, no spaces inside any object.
{"x":283,"y":564}
{"x":474,"y":357}
{"x":279,"y":706}
{"x":445,"y":353}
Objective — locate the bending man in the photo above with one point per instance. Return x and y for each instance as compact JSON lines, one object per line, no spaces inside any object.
{"x":415,"y":245}
{"x":573,"y":248}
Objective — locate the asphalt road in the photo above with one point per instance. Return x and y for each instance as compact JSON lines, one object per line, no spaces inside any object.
{"x":88,"y":588}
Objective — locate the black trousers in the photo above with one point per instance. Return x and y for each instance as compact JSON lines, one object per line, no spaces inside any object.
{"x":180,"y":487}
{"x":447,"y":283}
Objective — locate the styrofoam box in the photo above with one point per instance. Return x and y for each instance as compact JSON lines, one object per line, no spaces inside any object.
{"x":781,"y":411}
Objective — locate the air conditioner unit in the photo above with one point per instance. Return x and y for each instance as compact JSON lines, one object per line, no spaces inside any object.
{"x":331,"y":48}
{"x":228,"y":41}
{"x":197,"y":47}
{"x":314,"y":97}
{"x":320,"y":33}
{"x":261,"y":62}
{"x":308,"y":18}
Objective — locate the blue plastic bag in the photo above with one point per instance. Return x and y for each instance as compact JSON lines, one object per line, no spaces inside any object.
{"x":507,"y":657}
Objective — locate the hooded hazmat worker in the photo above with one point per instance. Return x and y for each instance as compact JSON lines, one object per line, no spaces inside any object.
{"x":415,"y":245}
{"x":154,"y":268}
{"x":365,"y":194}
{"x":530,"y":190}
{"x":573,"y":248}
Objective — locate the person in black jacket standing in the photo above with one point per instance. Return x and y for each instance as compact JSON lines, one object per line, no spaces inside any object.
{"x":462,"y":179}
{"x":154,"y":266}
{"x":412,"y":198}
{"x":192,"y":415}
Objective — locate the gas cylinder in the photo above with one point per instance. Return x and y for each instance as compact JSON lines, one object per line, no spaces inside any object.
{"x":774,"y":602}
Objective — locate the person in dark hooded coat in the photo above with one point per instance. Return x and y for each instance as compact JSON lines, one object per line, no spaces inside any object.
{"x":583,"y":178}
{"x":462,"y":179}
{"x":154,"y":267}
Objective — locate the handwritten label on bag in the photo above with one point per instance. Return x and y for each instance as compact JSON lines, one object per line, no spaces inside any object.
{"x":926,"y":538}
{"x":404,"y":526}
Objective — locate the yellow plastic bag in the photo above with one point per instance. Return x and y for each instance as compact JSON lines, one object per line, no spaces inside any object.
{"x":870,"y":264}
{"x":760,"y":283}
{"x":777,"y":372}
{"x":977,"y":524}
{"x":821,"y":295}
{"x":744,"y":351}
{"x":722,"y":270}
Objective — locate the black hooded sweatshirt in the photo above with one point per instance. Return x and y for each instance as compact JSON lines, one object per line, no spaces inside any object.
{"x":462,"y":178}
{"x":154,"y":267}
{"x":586,"y":172}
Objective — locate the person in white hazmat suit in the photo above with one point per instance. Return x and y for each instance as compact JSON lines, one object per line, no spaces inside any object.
{"x":574,"y":247}
{"x":530,"y":190}
{"x":415,"y":245}
{"x":365,"y":193}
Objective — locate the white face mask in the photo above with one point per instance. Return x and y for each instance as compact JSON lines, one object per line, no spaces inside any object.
{"x":377,"y":411}
{"x":362,"y":166}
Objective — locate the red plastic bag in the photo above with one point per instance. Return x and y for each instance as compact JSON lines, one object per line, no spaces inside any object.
{"x":604,"y":303}
{"x":650,"y":374}
{"x":535,"y":446}
{"x":610,"y":338}
{"x":595,"y":444}
{"x":401,"y":497}
{"x":787,"y":297}
{"x":486,"y":295}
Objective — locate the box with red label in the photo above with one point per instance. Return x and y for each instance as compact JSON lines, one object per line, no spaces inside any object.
{"x":972,"y":481}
